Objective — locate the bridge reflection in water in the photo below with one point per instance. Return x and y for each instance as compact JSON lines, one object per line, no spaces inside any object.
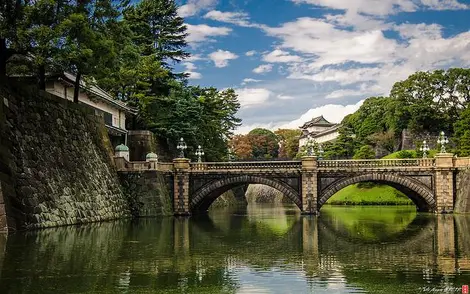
{"x":272,"y":249}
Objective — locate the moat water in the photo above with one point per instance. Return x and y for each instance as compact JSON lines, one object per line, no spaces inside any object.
{"x":258,"y":249}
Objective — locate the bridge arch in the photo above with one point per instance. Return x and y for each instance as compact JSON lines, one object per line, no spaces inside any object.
{"x":204,"y":196}
{"x":422,"y":196}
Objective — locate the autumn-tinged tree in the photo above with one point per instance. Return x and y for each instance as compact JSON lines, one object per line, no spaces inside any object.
{"x":264,"y":144}
{"x":289,"y":142}
{"x":241,"y":147}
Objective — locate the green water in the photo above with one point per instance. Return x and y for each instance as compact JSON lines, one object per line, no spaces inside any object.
{"x":258,"y":249}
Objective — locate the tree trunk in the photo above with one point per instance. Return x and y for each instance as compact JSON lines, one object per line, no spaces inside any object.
{"x":42,"y":77}
{"x":76,"y":89}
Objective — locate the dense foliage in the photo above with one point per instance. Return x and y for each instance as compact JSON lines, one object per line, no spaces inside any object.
{"x":129,"y":49}
{"x":425,"y":104}
{"x":261,"y":144}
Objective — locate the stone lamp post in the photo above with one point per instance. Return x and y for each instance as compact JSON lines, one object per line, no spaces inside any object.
{"x":122,"y":151}
{"x":310,"y":147}
{"x":443,"y":140}
{"x":181,"y":147}
{"x":424,"y":148}
{"x":199,"y":153}
{"x":152,"y":158}
{"x":320,"y":152}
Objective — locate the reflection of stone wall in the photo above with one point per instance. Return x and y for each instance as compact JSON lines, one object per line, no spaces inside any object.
{"x":61,"y":259}
{"x":233,"y":197}
{"x":462,"y":200}
{"x":149,"y":193}
{"x":61,"y":169}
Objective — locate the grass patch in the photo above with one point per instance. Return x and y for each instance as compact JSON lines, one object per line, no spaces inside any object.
{"x":376,"y":195}
{"x":408,"y":154}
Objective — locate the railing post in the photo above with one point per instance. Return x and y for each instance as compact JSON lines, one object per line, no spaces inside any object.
{"x":309,"y":193}
{"x":181,"y":187}
{"x":444,"y":183}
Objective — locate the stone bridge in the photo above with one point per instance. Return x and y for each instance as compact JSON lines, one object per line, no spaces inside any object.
{"x":431,"y":183}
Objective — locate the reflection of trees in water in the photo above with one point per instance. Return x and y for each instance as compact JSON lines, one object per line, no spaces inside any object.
{"x":179,"y":254}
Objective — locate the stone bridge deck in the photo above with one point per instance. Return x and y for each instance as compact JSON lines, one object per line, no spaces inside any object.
{"x":431,"y":183}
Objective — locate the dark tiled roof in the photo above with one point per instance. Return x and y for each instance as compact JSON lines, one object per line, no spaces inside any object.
{"x":319,"y":121}
{"x":99,"y":93}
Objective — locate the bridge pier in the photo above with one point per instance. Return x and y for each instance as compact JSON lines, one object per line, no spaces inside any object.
{"x":182,"y":171}
{"x":444,"y":183}
{"x":309,"y":191}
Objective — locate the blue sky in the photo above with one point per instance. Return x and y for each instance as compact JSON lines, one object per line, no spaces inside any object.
{"x":291,"y":60}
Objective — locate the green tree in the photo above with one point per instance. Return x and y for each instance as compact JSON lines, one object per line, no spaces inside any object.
{"x":40,"y":35}
{"x":365,"y":152}
{"x":265,"y":144}
{"x":11,"y":18}
{"x":461,"y":129}
{"x":86,"y":45}
{"x":158,"y":30}
{"x":202,"y":116}
{"x":289,"y":142}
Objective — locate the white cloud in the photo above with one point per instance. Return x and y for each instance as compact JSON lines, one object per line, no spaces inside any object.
{"x":263,"y":68}
{"x":249,"y":80}
{"x":194,"y":57}
{"x":252,"y":96}
{"x":284,"y":97}
{"x":331,"y":45}
{"x":193,"y":7}
{"x":342,"y":93}
{"x":189,"y":65}
{"x":250,"y":53}
{"x":222,"y":57}
{"x":408,"y":31}
{"x":238,"y":18}
{"x":281,"y":56}
{"x":190,"y":69}
{"x":194,"y":75}
{"x":372,"y":7}
{"x":444,"y":4}
{"x":202,"y":32}
{"x":343,"y":56}
{"x":332,"y":112}
{"x":385,"y":7}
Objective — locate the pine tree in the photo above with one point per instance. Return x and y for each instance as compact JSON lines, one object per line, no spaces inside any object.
{"x":158,"y":30}
{"x":11,"y":18}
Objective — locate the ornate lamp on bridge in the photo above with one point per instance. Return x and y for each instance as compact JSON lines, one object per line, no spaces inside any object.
{"x":310,"y":147}
{"x":424,"y":148}
{"x":181,"y":147}
{"x":443,"y":140}
{"x":230,"y":154}
{"x":199,"y":153}
{"x":320,"y":152}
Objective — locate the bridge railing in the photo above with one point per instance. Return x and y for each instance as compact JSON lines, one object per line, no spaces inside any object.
{"x":377,"y":163}
{"x":239,"y":165}
{"x":462,"y":162}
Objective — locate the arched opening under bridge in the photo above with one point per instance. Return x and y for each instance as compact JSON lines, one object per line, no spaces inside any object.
{"x":416,"y":191}
{"x":207,"y":194}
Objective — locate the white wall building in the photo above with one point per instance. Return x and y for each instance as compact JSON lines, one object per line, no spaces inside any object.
{"x":320,"y":130}
{"x":113,"y":111}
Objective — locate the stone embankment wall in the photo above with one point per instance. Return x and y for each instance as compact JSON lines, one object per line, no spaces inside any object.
{"x":56,"y":162}
{"x":148,"y":192}
{"x":462,"y":199}
{"x":264,"y":194}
